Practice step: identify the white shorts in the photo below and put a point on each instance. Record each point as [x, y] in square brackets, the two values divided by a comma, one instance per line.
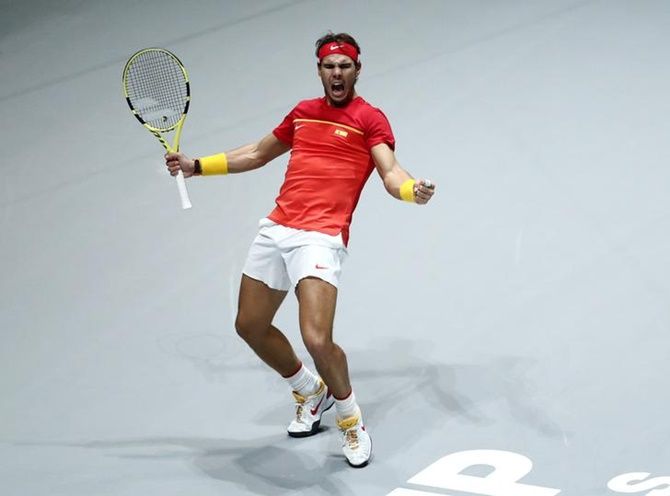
[281, 256]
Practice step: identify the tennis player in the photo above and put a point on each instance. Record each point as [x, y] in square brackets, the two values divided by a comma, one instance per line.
[336, 142]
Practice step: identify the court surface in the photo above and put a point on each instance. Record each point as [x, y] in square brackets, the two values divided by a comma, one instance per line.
[522, 317]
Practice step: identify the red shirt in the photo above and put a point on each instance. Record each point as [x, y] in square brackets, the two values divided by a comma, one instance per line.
[329, 164]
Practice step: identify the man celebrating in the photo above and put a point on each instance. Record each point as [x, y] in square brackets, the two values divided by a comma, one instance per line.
[336, 142]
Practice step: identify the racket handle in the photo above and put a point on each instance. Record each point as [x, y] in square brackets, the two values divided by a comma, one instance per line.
[183, 192]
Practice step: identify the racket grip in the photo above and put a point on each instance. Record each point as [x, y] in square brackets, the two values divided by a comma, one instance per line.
[183, 192]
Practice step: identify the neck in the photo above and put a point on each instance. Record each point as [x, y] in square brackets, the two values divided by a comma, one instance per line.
[342, 103]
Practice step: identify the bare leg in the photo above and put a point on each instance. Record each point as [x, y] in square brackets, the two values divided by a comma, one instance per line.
[257, 306]
[317, 300]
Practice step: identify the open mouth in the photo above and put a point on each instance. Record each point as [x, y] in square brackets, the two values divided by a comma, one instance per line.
[337, 89]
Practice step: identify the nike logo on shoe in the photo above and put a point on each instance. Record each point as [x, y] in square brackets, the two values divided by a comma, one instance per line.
[314, 410]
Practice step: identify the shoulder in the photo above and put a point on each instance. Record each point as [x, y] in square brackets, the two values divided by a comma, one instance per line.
[375, 124]
[302, 109]
[366, 106]
[369, 113]
[309, 105]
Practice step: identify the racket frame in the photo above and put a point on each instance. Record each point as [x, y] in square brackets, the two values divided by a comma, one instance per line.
[176, 127]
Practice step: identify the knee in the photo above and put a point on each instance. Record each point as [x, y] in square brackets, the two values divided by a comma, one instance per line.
[318, 346]
[246, 327]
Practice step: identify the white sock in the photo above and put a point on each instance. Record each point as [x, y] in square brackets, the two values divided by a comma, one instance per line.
[303, 382]
[347, 407]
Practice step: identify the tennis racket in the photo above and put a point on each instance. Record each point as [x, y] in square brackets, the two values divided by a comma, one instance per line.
[156, 87]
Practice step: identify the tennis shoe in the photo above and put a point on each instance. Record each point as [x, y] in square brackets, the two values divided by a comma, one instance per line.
[356, 442]
[308, 411]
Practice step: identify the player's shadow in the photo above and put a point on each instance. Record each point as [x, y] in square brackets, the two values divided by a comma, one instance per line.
[266, 465]
[396, 383]
[403, 381]
[478, 393]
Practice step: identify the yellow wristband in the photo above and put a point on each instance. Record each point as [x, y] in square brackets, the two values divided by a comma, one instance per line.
[214, 164]
[407, 190]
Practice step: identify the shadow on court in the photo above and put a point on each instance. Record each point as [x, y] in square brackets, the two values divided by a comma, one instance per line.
[400, 396]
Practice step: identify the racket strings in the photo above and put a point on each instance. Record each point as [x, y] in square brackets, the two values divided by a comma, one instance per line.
[157, 88]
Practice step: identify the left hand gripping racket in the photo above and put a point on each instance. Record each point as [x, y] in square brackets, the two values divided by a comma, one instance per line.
[156, 87]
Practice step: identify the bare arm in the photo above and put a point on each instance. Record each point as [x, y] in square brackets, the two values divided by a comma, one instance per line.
[255, 155]
[242, 159]
[394, 175]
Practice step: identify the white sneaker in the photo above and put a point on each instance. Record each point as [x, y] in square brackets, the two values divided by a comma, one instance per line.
[308, 411]
[356, 442]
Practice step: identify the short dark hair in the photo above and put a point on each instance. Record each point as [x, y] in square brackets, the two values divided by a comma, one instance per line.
[339, 38]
